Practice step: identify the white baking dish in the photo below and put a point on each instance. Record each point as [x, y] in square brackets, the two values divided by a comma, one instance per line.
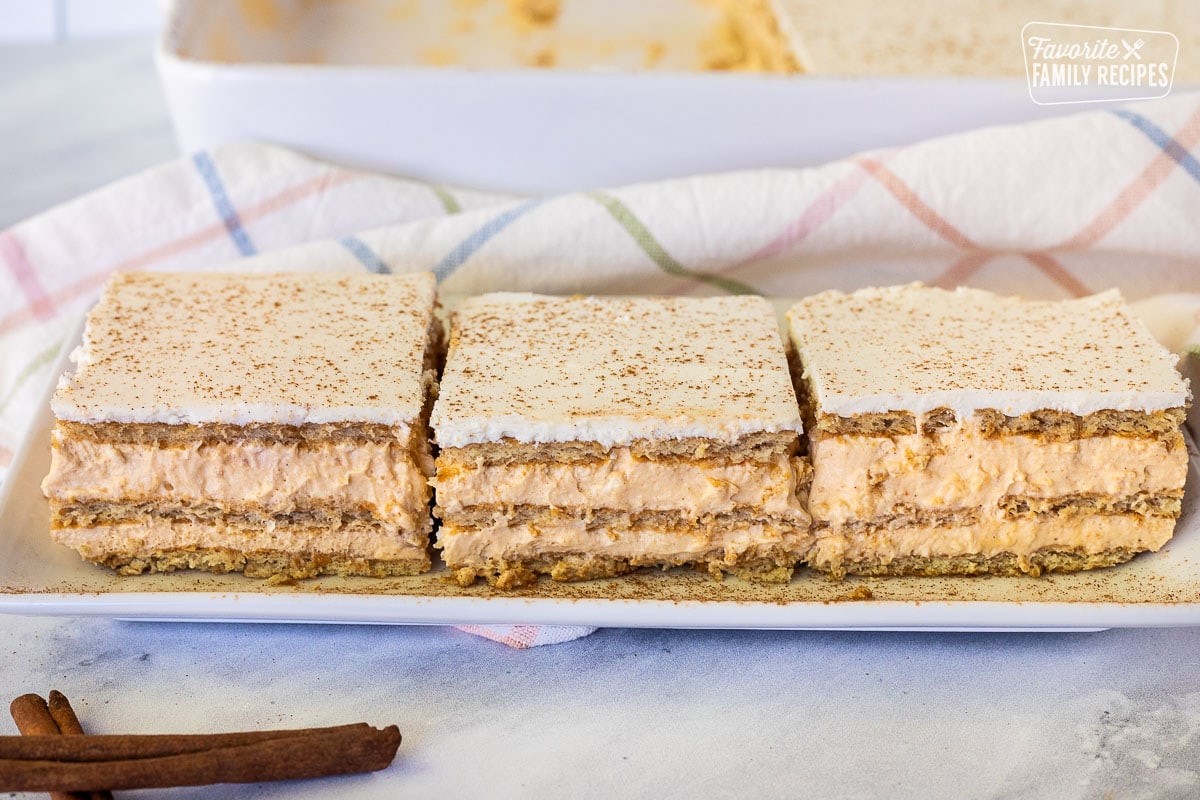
[540, 131]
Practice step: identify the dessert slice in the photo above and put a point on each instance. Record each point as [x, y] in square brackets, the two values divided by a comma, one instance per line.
[584, 437]
[958, 432]
[270, 424]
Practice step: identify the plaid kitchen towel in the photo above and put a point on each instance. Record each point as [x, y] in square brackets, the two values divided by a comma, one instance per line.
[1062, 207]
[526, 636]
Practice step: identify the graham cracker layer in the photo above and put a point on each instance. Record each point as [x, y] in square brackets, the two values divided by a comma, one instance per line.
[1046, 424]
[761, 446]
[1061, 426]
[1167, 504]
[167, 435]
[1164, 504]
[1003, 564]
[772, 567]
[161, 543]
[320, 519]
[906, 517]
[571, 549]
[257, 563]
[1009, 546]
[615, 519]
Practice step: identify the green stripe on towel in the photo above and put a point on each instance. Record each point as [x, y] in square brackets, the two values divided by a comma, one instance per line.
[449, 202]
[657, 253]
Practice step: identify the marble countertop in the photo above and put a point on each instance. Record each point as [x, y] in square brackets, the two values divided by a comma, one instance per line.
[621, 713]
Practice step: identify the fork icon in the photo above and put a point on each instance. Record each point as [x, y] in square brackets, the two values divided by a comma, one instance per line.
[1132, 50]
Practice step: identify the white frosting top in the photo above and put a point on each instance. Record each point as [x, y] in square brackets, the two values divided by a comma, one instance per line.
[237, 349]
[554, 369]
[916, 348]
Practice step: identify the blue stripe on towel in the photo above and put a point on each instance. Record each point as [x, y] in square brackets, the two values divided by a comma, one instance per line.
[369, 259]
[467, 247]
[1161, 138]
[226, 211]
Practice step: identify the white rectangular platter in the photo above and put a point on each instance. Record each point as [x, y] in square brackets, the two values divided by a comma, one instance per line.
[42, 578]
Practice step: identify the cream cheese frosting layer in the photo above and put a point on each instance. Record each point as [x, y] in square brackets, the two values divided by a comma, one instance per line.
[1088, 534]
[627, 483]
[272, 476]
[554, 369]
[477, 547]
[872, 477]
[288, 348]
[915, 348]
[155, 535]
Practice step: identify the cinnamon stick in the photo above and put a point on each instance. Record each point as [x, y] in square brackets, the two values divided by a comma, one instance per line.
[68, 725]
[63, 715]
[58, 763]
[33, 718]
[109, 747]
